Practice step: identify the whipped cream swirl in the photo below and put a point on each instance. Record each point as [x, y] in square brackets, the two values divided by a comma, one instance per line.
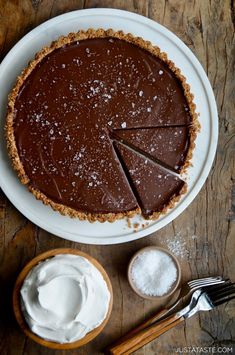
[64, 297]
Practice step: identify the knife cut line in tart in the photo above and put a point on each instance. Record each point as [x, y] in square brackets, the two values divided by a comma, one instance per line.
[168, 146]
[156, 189]
[66, 100]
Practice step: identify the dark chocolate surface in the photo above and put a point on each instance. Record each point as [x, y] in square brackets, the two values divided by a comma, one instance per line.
[153, 185]
[167, 145]
[66, 107]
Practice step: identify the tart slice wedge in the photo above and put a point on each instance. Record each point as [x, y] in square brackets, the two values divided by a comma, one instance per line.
[169, 146]
[156, 189]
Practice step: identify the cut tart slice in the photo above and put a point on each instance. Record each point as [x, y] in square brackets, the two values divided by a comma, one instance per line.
[169, 146]
[156, 189]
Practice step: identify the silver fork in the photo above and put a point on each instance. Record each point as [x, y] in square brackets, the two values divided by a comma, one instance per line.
[213, 297]
[201, 300]
[186, 291]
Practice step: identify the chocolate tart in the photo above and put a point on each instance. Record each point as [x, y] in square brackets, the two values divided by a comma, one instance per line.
[66, 107]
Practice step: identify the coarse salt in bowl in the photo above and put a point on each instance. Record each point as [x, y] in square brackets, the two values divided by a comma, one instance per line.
[154, 272]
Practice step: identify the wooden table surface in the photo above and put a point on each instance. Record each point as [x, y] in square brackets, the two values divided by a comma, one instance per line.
[202, 237]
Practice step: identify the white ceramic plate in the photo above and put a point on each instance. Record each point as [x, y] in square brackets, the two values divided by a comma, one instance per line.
[117, 232]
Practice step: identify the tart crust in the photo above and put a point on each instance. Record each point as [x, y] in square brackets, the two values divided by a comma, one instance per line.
[9, 126]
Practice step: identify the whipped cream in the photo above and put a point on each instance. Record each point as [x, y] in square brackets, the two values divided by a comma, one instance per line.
[64, 297]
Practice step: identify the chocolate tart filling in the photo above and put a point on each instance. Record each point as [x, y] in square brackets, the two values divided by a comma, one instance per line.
[67, 101]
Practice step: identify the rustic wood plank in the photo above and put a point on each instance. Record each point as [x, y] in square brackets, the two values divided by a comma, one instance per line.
[204, 232]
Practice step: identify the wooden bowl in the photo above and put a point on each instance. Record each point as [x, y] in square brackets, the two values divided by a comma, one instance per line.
[20, 316]
[160, 299]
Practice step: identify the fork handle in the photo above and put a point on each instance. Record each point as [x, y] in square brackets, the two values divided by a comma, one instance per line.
[144, 336]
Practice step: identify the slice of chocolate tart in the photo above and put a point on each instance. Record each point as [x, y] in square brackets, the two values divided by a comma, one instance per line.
[169, 146]
[156, 189]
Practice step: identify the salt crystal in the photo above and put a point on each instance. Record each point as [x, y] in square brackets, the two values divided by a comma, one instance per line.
[123, 125]
[154, 273]
[160, 72]
[177, 245]
[141, 93]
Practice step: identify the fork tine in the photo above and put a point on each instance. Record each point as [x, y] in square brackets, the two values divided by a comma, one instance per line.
[227, 290]
[221, 293]
[218, 287]
[207, 282]
[224, 300]
[205, 279]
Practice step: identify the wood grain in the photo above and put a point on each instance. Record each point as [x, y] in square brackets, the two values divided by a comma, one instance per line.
[205, 231]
